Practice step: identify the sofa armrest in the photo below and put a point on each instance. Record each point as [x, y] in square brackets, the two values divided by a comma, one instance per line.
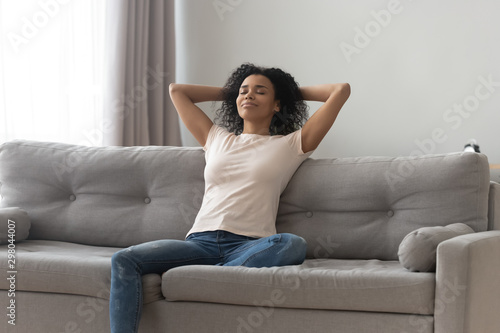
[494, 207]
[467, 287]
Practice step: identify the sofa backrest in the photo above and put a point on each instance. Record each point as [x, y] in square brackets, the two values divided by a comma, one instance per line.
[109, 196]
[363, 207]
[344, 207]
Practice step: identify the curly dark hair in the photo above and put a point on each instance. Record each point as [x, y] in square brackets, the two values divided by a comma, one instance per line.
[293, 110]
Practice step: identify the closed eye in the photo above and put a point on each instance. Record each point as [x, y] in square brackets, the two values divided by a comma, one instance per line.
[258, 92]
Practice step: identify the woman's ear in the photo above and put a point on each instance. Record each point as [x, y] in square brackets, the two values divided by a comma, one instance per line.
[277, 107]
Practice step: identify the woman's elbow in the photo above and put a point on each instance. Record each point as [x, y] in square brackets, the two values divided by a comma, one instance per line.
[341, 90]
[173, 87]
[345, 89]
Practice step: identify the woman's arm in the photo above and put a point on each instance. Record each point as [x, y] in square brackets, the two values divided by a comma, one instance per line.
[184, 97]
[316, 127]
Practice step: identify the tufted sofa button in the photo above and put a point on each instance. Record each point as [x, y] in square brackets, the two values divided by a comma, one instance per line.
[309, 214]
[147, 200]
[390, 213]
[72, 197]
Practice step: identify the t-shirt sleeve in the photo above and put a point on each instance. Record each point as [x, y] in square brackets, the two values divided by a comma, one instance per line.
[214, 132]
[295, 141]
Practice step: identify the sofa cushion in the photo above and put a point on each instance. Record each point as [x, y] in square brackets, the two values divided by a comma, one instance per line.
[355, 285]
[51, 266]
[363, 207]
[67, 268]
[103, 196]
[15, 225]
[417, 251]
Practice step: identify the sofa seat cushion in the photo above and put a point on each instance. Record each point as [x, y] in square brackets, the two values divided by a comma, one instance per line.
[54, 266]
[333, 284]
[68, 268]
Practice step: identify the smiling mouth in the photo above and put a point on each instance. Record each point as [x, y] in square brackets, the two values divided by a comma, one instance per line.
[248, 104]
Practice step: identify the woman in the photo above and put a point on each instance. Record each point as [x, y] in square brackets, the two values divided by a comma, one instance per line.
[250, 158]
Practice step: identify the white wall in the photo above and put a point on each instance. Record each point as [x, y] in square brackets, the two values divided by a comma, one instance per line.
[405, 78]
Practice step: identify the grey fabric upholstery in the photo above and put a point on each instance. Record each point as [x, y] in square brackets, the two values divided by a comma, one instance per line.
[368, 285]
[417, 251]
[57, 313]
[104, 196]
[362, 208]
[15, 225]
[467, 274]
[62, 313]
[85, 203]
[178, 317]
[494, 207]
[52, 266]
[68, 268]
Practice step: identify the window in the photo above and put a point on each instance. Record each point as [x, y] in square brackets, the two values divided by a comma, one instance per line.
[51, 64]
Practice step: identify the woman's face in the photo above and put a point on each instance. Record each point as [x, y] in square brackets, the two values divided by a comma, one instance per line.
[256, 101]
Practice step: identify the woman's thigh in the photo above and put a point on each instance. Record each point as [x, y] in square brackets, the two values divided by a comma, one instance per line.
[276, 250]
[161, 255]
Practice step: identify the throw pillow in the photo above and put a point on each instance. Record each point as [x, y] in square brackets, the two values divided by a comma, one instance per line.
[417, 251]
[15, 224]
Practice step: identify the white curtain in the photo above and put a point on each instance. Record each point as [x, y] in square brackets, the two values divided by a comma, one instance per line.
[51, 63]
[90, 72]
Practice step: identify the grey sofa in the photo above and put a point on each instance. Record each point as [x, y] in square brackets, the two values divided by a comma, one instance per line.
[85, 203]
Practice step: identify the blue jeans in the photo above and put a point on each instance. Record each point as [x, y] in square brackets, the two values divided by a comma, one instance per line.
[219, 247]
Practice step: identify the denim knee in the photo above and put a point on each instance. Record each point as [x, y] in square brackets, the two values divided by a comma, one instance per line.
[295, 247]
[120, 259]
[117, 257]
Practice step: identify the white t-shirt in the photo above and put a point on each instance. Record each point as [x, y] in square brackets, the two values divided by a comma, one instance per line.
[244, 178]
